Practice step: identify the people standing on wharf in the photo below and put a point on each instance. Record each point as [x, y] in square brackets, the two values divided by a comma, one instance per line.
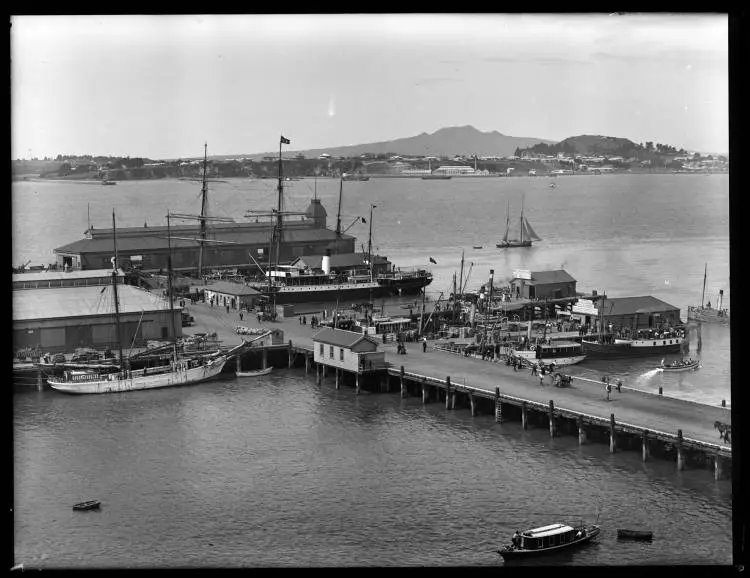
[424, 345]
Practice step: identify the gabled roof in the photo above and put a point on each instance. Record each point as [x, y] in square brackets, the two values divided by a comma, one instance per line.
[632, 305]
[341, 338]
[549, 277]
[64, 275]
[339, 261]
[250, 237]
[230, 288]
[39, 304]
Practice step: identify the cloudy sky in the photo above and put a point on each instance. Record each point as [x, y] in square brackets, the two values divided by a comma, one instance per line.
[159, 86]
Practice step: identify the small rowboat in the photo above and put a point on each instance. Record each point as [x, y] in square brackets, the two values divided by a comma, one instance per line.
[89, 505]
[683, 365]
[623, 534]
[477, 246]
[256, 373]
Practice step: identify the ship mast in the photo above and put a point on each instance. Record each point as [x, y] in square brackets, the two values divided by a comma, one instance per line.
[522, 219]
[369, 242]
[461, 276]
[204, 202]
[169, 291]
[338, 214]
[114, 288]
[705, 272]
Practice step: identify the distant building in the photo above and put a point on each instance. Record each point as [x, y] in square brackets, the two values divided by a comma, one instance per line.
[543, 284]
[453, 170]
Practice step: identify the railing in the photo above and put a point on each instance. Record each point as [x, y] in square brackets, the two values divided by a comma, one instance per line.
[561, 411]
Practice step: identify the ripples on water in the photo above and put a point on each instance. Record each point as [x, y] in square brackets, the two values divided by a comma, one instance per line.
[279, 472]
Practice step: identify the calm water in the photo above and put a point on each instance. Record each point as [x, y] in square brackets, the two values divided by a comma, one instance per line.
[278, 472]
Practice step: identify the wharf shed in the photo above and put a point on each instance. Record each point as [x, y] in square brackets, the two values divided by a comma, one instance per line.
[65, 318]
[237, 245]
[556, 284]
[56, 279]
[347, 350]
[635, 313]
[236, 295]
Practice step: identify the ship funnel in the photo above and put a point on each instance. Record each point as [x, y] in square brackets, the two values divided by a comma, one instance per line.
[327, 262]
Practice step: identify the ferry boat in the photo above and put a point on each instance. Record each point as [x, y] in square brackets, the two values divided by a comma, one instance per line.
[560, 353]
[548, 539]
[645, 342]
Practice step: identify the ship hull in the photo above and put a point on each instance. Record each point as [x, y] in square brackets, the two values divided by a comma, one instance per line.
[346, 292]
[182, 375]
[530, 356]
[511, 244]
[706, 315]
[635, 348]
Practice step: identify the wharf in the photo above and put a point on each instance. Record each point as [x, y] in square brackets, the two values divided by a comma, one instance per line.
[665, 426]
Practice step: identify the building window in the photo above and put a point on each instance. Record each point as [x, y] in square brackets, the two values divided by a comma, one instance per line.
[330, 351]
[321, 350]
[341, 354]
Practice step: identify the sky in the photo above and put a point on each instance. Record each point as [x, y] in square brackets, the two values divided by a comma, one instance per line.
[160, 86]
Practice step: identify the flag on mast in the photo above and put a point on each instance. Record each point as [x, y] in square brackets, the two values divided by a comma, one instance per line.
[285, 140]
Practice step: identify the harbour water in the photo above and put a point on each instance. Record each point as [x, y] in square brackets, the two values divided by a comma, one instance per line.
[277, 471]
[626, 235]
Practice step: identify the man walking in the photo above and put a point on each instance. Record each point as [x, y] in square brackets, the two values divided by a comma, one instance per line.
[424, 345]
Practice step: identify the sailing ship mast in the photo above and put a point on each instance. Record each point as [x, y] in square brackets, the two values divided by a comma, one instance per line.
[705, 272]
[114, 288]
[369, 242]
[338, 214]
[507, 221]
[169, 291]
[522, 199]
[204, 207]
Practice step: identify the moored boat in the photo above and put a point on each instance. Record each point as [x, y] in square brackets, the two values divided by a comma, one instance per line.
[659, 343]
[87, 505]
[548, 539]
[256, 373]
[559, 353]
[436, 177]
[706, 313]
[623, 534]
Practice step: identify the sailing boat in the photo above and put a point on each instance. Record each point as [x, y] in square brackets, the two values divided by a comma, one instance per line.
[183, 371]
[527, 234]
[707, 313]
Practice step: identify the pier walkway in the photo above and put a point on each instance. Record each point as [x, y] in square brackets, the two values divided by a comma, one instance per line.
[644, 410]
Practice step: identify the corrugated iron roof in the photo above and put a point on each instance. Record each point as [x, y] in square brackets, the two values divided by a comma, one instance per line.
[231, 288]
[153, 243]
[62, 275]
[548, 277]
[341, 337]
[66, 302]
[631, 305]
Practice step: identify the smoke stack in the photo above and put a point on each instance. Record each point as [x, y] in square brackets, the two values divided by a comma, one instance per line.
[327, 262]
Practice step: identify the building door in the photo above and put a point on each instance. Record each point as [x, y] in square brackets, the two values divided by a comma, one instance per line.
[532, 292]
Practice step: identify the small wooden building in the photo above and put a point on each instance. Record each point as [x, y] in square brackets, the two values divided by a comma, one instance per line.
[347, 350]
[543, 285]
[236, 295]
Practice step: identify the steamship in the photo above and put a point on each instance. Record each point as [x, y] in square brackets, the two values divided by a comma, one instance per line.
[341, 277]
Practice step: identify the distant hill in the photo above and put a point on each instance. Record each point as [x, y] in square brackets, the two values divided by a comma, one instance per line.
[590, 144]
[450, 141]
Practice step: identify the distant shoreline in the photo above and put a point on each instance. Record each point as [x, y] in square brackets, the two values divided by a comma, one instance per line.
[37, 179]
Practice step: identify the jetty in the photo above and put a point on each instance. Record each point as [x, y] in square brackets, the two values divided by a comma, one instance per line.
[658, 426]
